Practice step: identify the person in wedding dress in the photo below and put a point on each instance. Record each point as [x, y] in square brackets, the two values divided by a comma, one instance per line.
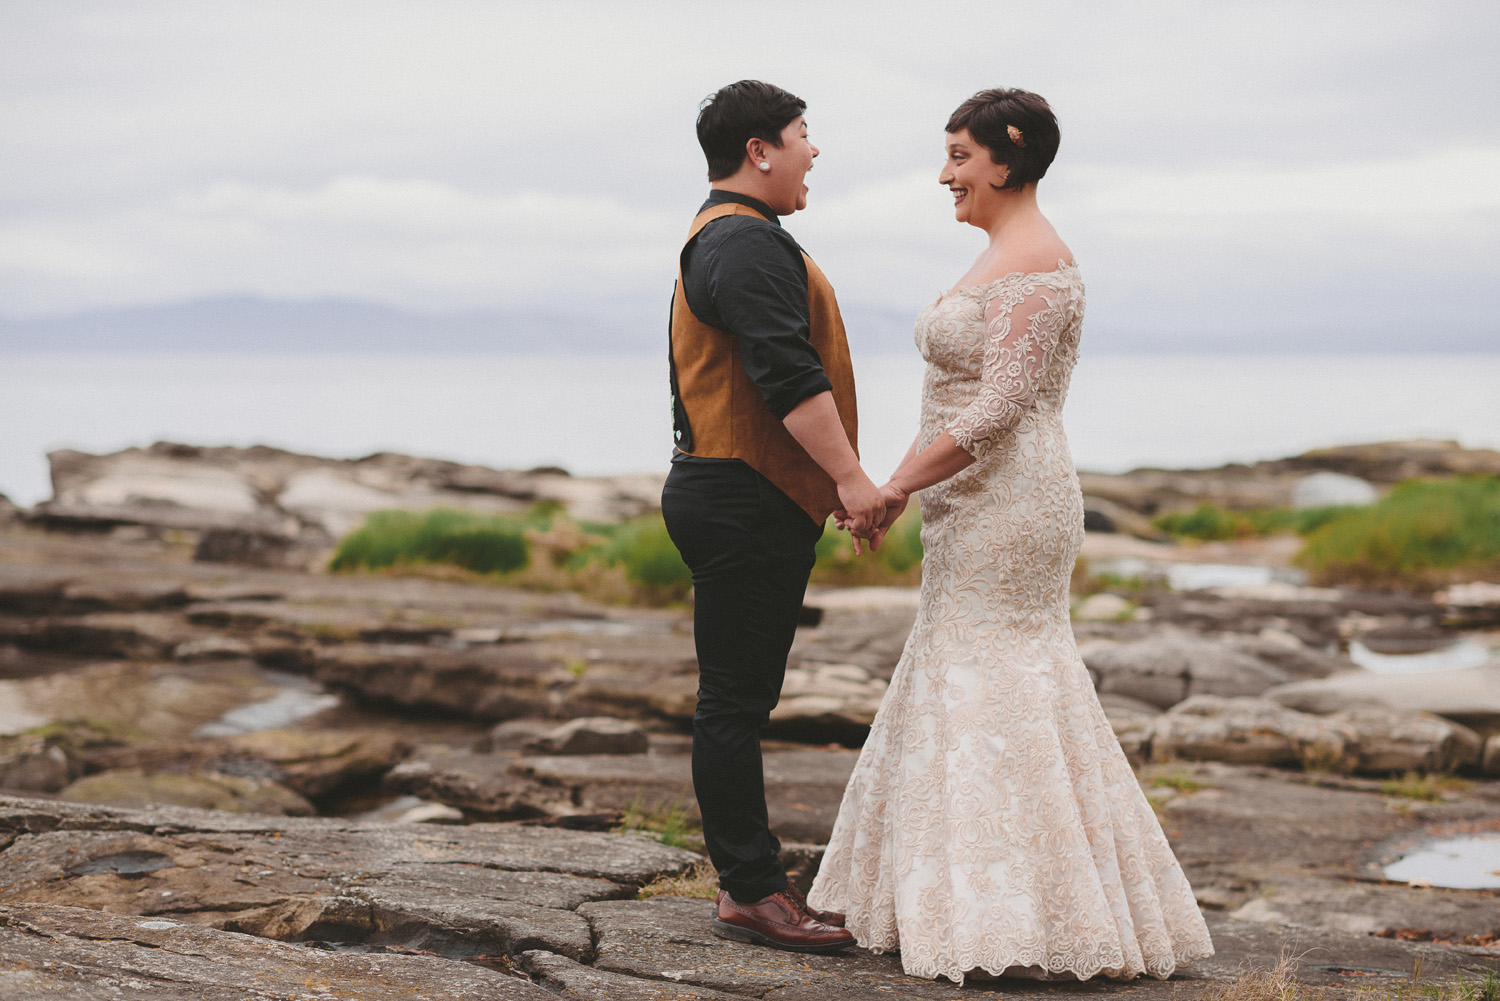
[992, 825]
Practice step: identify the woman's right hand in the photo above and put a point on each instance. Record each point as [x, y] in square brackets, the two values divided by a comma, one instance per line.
[896, 500]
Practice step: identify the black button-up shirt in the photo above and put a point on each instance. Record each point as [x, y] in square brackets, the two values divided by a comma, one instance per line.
[745, 275]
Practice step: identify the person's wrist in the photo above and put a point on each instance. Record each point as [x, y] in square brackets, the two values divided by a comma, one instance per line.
[854, 479]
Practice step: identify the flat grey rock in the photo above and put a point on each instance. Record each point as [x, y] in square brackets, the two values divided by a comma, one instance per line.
[49, 952]
[1469, 695]
[487, 889]
[570, 979]
[1165, 669]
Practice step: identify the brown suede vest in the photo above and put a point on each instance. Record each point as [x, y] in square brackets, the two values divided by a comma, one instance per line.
[725, 411]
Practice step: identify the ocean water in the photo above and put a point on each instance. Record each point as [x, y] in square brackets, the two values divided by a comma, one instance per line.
[606, 414]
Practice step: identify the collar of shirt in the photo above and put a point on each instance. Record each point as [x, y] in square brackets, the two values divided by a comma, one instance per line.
[718, 196]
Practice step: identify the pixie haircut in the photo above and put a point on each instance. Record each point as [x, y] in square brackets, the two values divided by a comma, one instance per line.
[742, 111]
[1026, 153]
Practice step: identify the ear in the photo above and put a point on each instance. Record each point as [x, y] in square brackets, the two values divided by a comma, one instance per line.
[755, 150]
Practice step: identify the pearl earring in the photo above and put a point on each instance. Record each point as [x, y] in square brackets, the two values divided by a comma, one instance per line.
[765, 166]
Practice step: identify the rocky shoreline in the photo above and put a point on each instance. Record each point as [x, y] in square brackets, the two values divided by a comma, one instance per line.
[408, 786]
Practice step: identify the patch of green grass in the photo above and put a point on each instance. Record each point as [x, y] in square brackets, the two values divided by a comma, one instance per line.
[1420, 535]
[898, 561]
[669, 822]
[1421, 785]
[1179, 780]
[633, 560]
[482, 543]
[648, 556]
[699, 881]
[1210, 522]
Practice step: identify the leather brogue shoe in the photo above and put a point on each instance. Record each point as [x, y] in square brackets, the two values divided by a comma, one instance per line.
[780, 921]
[827, 917]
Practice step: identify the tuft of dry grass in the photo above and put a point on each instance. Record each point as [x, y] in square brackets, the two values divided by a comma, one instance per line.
[1423, 785]
[699, 881]
[1280, 983]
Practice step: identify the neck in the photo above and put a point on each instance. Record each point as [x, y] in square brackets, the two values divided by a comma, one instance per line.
[748, 182]
[1007, 210]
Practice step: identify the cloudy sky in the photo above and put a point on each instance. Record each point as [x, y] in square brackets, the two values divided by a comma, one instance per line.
[1232, 176]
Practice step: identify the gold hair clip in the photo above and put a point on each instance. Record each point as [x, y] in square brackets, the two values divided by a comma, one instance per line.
[1015, 136]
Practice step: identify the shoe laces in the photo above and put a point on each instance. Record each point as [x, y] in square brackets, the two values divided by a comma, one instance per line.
[797, 897]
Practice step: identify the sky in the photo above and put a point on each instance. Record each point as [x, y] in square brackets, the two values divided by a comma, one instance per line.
[1235, 176]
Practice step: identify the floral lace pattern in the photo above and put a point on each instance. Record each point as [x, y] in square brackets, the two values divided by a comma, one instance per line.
[992, 821]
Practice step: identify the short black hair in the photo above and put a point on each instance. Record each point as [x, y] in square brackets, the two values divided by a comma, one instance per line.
[990, 115]
[731, 117]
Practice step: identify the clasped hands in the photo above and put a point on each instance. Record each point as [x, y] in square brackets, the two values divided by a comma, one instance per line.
[869, 511]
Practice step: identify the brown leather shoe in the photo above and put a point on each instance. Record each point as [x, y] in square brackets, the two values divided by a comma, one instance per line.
[827, 917]
[779, 921]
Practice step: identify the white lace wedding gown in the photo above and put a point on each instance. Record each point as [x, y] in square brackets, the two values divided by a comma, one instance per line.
[992, 820]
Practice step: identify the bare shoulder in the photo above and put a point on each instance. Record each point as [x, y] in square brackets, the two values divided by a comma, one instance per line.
[1035, 256]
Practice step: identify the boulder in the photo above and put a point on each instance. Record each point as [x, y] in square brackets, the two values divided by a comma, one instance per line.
[31, 763]
[515, 734]
[592, 735]
[1249, 731]
[493, 682]
[1101, 515]
[1475, 604]
[1131, 719]
[1103, 607]
[1168, 667]
[831, 699]
[47, 758]
[481, 785]
[1330, 489]
[1282, 649]
[1394, 742]
[316, 763]
[207, 791]
[1468, 695]
[1489, 764]
[253, 547]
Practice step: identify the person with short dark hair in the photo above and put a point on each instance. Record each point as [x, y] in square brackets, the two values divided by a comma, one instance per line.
[992, 825]
[765, 430]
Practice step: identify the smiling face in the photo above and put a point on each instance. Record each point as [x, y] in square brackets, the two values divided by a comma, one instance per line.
[786, 191]
[972, 176]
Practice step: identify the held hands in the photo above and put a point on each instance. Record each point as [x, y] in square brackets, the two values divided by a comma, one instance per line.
[893, 501]
[864, 508]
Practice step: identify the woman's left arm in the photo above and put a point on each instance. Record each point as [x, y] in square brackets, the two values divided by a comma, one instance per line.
[1022, 330]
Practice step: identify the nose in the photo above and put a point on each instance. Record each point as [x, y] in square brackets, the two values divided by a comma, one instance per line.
[814, 150]
[945, 176]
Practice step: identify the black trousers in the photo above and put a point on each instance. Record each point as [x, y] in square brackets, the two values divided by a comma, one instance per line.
[750, 548]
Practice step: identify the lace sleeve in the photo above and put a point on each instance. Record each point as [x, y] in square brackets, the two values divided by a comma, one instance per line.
[1022, 330]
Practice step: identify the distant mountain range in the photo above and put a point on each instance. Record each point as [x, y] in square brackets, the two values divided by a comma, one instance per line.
[246, 324]
[251, 324]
